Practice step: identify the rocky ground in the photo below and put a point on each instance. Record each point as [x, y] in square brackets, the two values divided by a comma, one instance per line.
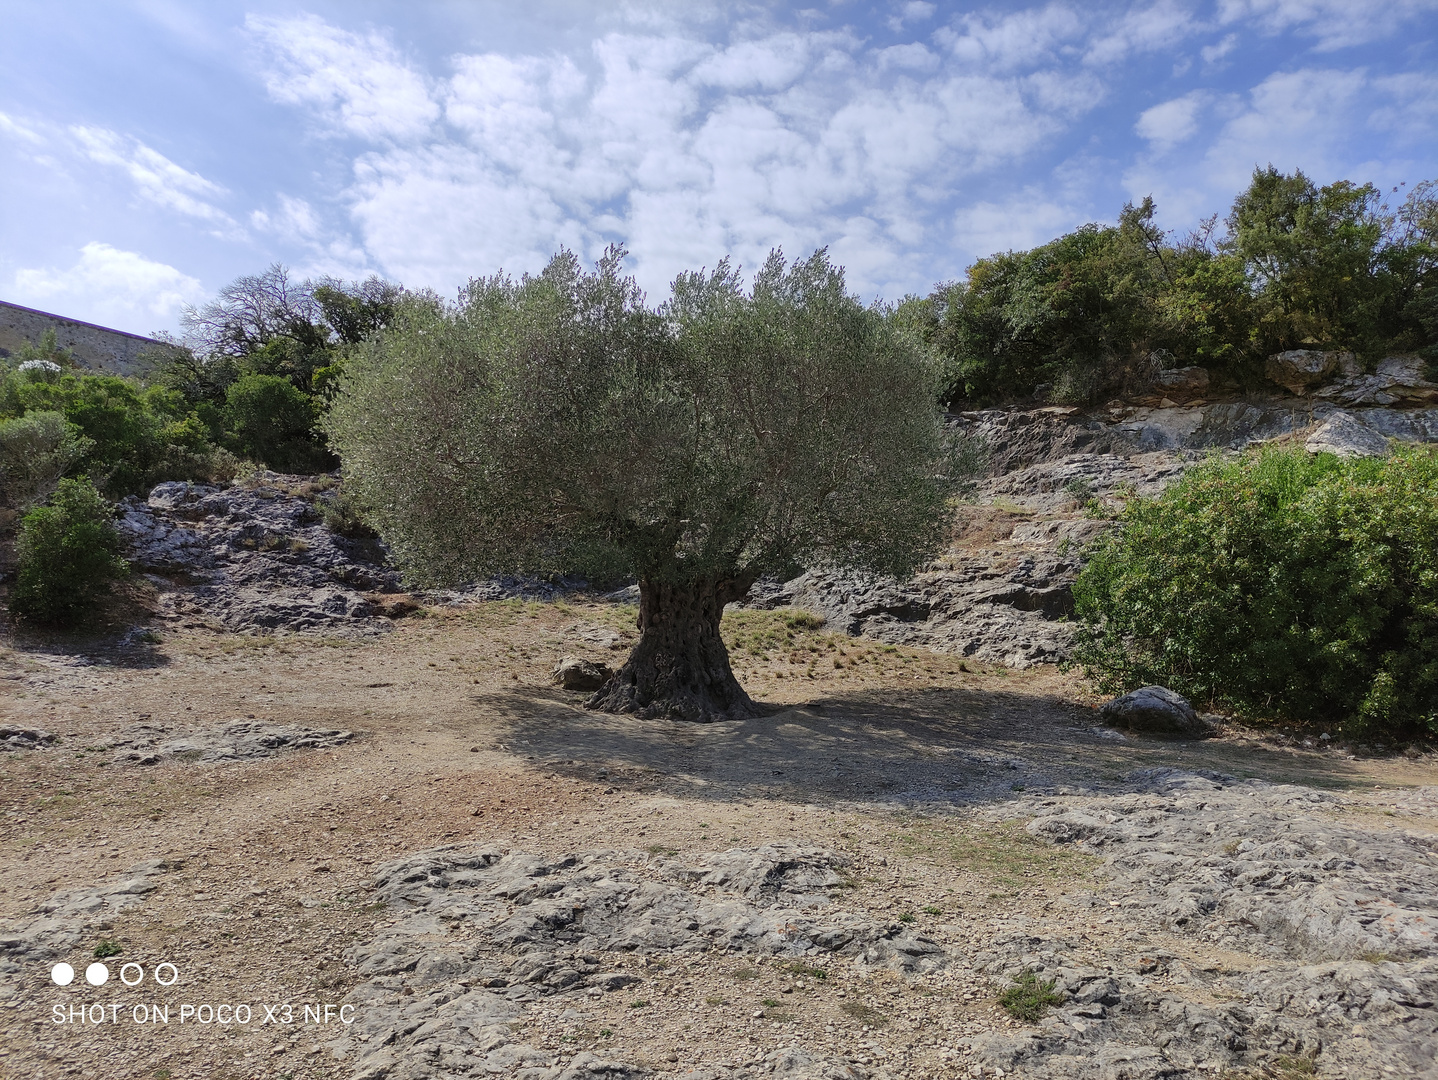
[1002, 593]
[418, 832]
[369, 818]
[256, 556]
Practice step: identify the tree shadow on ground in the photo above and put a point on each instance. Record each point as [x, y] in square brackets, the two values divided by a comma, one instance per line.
[922, 747]
[128, 649]
[116, 633]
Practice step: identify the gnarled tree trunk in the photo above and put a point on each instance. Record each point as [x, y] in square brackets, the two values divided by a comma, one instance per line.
[680, 668]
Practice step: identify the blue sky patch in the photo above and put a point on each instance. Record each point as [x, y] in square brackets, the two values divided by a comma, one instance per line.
[155, 150]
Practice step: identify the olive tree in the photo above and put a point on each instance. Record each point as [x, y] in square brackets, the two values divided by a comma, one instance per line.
[557, 423]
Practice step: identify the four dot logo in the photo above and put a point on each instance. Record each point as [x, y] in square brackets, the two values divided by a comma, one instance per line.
[131, 974]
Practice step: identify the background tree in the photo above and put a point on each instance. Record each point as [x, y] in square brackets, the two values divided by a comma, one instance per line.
[1409, 262]
[1097, 310]
[273, 422]
[1313, 255]
[131, 436]
[266, 327]
[253, 312]
[1070, 319]
[555, 423]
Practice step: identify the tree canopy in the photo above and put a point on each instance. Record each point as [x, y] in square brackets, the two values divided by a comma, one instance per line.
[1098, 310]
[265, 327]
[557, 423]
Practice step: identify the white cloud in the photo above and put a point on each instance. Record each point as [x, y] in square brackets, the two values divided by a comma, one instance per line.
[768, 64]
[1029, 218]
[156, 177]
[687, 148]
[358, 82]
[111, 287]
[1147, 29]
[1304, 119]
[292, 218]
[1212, 54]
[1300, 119]
[913, 57]
[687, 151]
[11, 126]
[1411, 111]
[440, 214]
[1335, 23]
[913, 12]
[1172, 122]
[1022, 39]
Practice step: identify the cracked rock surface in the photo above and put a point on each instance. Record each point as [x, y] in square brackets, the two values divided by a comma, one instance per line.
[240, 740]
[483, 934]
[71, 915]
[255, 558]
[1332, 927]
[588, 895]
[1326, 964]
[24, 738]
[1316, 959]
[1004, 597]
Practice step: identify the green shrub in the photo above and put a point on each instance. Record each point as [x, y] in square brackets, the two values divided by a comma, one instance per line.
[343, 515]
[68, 554]
[35, 451]
[1281, 585]
[131, 437]
[1097, 310]
[273, 422]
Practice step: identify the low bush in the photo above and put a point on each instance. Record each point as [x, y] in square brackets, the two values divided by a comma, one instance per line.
[68, 555]
[36, 450]
[131, 437]
[343, 515]
[273, 422]
[1281, 585]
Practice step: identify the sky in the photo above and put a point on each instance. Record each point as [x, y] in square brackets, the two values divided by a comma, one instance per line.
[152, 151]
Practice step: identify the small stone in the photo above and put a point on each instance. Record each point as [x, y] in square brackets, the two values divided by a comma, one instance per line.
[1155, 709]
[576, 673]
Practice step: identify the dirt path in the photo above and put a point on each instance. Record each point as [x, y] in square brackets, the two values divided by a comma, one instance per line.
[256, 876]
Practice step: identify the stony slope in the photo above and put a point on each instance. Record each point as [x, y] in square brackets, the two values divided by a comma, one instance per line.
[255, 556]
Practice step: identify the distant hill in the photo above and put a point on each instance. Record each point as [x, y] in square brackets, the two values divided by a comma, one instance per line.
[98, 348]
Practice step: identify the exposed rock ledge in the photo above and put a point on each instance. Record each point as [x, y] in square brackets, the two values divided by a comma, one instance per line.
[478, 940]
[256, 557]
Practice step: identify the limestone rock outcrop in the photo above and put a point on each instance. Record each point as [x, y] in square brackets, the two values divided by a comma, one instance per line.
[1299, 370]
